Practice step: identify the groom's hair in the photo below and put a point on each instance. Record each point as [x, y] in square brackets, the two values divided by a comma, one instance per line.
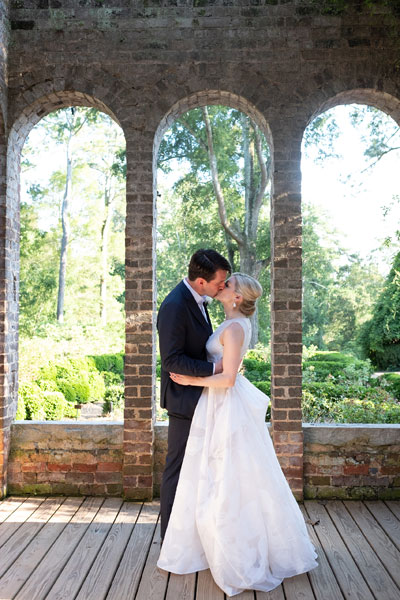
[205, 263]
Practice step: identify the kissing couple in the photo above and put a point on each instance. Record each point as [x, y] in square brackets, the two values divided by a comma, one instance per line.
[225, 502]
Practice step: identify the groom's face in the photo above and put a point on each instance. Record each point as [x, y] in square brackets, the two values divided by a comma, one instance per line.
[211, 288]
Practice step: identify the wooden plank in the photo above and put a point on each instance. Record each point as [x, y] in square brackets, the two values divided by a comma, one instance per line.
[369, 564]
[21, 569]
[207, 588]
[127, 577]
[101, 574]
[74, 573]
[322, 578]
[276, 594]
[9, 505]
[386, 519]
[181, 586]
[246, 595]
[394, 506]
[14, 521]
[25, 534]
[346, 571]
[154, 580]
[387, 552]
[298, 588]
[46, 573]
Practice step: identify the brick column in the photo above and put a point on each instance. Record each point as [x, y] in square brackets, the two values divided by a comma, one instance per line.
[286, 302]
[140, 311]
[9, 283]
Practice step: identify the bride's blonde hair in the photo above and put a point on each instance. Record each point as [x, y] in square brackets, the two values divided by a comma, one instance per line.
[250, 289]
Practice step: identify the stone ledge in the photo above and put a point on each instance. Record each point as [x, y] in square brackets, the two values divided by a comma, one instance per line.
[337, 434]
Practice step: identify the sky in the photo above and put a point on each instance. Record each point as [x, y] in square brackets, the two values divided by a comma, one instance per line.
[356, 211]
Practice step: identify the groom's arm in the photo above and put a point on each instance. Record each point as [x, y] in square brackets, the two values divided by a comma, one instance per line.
[172, 333]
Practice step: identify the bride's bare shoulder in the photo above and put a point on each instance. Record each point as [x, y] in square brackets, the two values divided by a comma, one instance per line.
[232, 333]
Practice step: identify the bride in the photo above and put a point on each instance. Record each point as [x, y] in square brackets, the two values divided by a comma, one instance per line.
[234, 512]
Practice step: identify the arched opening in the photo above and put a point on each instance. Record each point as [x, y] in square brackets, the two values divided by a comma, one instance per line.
[203, 206]
[351, 244]
[72, 246]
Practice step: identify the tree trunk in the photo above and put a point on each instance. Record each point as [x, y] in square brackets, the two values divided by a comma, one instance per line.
[65, 234]
[254, 194]
[105, 227]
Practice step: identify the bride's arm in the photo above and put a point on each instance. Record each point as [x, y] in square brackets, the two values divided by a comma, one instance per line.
[231, 340]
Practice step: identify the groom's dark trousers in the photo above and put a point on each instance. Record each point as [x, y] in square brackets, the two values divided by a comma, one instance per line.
[183, 332]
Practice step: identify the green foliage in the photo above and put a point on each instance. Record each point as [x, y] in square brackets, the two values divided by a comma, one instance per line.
[377, 406]
[77, 378]
[393, 380]
[337, 299]
[338, 388]
[33, 400]
[96, 183]
[188, 215]
[110, 363]
[21, 410]
[56, 406]
[56, 386]
[256, 369]
[36, 403]
[114, 394]
[380, 337]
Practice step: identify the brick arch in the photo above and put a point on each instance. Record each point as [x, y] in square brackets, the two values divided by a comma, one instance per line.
[384, 101]
[9, 246]
[211, 97]
[46, 104]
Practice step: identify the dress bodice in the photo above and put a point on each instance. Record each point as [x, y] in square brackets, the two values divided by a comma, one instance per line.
[214, 346]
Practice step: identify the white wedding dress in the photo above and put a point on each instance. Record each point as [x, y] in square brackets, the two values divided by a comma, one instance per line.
[234, 512]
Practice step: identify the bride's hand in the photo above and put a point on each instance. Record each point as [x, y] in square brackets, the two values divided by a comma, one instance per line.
[181, 379]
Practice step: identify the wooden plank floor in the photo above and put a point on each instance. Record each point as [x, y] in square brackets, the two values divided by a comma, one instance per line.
[59, 548]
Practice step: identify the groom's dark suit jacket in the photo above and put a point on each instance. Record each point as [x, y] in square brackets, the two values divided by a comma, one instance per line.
[183, 333]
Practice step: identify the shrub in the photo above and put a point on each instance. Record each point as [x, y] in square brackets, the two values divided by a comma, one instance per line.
[394, 383]
[21, 411]
[376, 406]
[112, 363]
[332, 357]
[256, 370]
[55, 406]
[33, 400]
[380, 336]
[77, 378]
[373, 410]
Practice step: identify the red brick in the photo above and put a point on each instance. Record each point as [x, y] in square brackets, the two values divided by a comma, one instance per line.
[58, 467]
[287, 425]
[109, 466]
[355, 469]
[84, 467]
[108, 477]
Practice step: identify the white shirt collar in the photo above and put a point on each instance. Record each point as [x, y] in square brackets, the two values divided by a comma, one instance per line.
[199, 299]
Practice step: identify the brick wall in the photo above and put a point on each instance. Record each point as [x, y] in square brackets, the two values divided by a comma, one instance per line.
[58, 458]
[144, 63]
[352, 461]
[7, 379]
[340, 461]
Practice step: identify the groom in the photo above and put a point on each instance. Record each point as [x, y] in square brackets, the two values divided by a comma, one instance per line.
[184, 327]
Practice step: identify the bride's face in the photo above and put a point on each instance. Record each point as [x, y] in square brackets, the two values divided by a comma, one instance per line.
[228, 295]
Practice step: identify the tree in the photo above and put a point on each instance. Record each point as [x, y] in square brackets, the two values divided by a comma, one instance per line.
[63, 126]
[95, 213]
[228, 158]
[380, 336]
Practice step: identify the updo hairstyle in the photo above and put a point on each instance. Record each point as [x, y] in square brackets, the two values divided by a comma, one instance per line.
[250, 290]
